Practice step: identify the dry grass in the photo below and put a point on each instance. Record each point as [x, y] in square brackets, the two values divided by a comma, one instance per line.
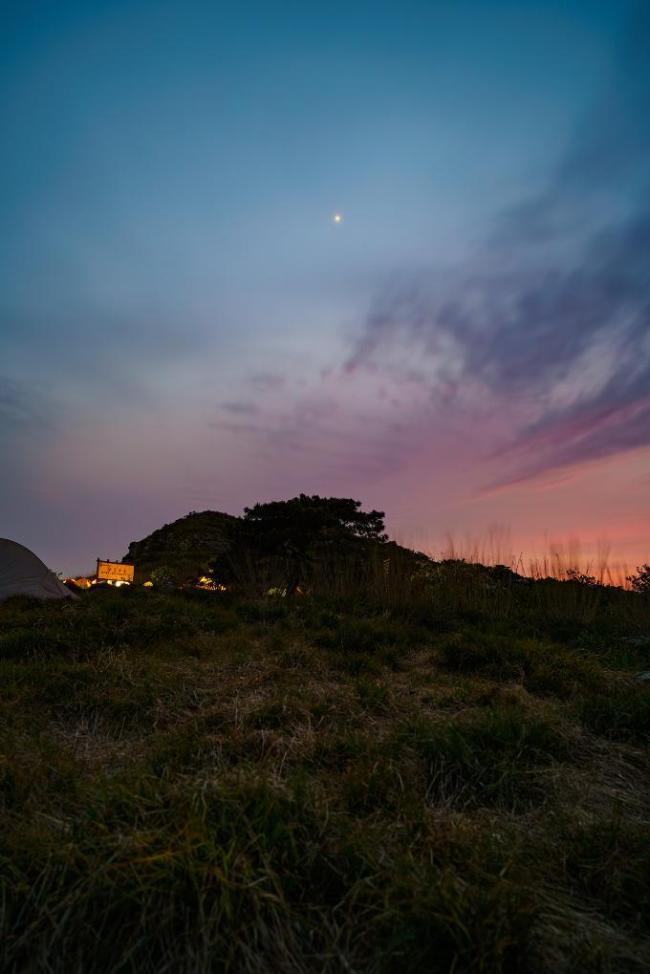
[199, 783]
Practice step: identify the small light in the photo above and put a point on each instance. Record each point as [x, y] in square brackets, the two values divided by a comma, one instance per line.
[338, 218]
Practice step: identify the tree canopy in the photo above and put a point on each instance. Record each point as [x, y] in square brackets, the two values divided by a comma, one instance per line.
[298, 531]
[311, 517]
[641, 581]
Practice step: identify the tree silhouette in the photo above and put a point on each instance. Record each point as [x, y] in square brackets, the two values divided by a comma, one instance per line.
[641, 581]
[297, 532]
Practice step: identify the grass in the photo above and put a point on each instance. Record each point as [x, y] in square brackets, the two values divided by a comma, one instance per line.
[546, 669]
[453, 781]
[492, 759]
[620, 714]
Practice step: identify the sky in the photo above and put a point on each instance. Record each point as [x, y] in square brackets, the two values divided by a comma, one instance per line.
[184, 325]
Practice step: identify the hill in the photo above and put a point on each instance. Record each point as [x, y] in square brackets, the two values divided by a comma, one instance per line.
[394, 776]
[305, 541]
[183, 550]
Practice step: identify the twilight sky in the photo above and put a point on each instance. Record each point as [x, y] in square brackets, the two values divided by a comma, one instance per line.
[184, 326]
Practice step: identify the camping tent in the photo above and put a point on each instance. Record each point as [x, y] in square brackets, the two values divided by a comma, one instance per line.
[22, 573]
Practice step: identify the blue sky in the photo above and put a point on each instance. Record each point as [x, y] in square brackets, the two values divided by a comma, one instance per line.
[183, 326]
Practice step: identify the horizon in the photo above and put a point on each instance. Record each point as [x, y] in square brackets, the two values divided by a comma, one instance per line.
[554, 559]
[400, 255]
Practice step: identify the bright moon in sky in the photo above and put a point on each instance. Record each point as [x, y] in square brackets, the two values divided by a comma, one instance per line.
[338, 218]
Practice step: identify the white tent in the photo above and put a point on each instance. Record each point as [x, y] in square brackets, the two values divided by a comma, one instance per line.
[22, 573]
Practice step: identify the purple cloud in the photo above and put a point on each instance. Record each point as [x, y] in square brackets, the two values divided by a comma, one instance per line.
[240, 408]
[550, 322]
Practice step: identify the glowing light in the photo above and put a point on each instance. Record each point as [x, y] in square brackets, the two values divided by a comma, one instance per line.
[338, 218]
[208, 583]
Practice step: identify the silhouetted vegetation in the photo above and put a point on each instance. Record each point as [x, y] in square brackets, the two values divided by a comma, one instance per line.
[181, 551]
[300, 543]
[641, 581]
[410, 766]
[287, 540]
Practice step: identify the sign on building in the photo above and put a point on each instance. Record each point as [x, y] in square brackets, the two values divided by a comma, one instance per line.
[114, 571]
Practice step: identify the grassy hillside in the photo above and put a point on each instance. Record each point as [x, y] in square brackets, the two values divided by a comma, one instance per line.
[450, 778]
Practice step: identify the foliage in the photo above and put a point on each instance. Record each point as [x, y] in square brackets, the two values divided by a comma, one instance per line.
[184, 549]
[575, 575]
[641, 581]
[304, 518]
[166, 577]
[293, 536]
